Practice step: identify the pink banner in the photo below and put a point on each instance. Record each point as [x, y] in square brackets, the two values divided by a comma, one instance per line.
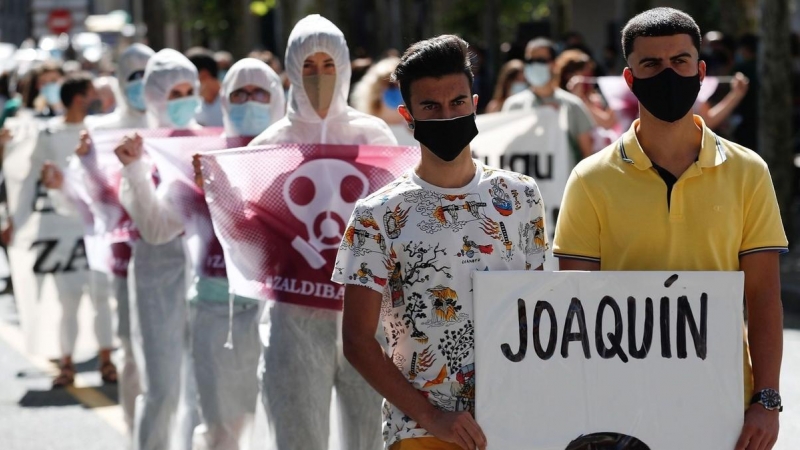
[173, 159]
[280, 213]
[96, 184]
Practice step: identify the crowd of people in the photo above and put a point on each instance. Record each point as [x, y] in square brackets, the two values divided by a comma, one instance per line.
[292, 356]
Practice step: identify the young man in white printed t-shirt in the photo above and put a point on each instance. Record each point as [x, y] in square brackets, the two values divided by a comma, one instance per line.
[409, 251]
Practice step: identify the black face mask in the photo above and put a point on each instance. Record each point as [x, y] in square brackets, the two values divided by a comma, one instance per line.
[667, 96]
[446, 138]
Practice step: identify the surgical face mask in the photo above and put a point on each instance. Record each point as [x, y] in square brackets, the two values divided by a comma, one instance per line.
[392, 97]
[52, 93]
[537, 74]
[446, 138]
[181, 111]
[319, 89]
[134, 91]
[250, 118]
[517, 87]
[667, 96]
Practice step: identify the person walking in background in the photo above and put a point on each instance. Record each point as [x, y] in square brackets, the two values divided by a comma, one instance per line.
[511, 81]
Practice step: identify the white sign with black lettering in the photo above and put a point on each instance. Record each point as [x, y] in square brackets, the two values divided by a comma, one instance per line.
[575, 360]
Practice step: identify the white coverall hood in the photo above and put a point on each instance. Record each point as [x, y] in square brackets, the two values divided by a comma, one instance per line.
[316, 34]
[343, 125]
[165, 70]
[251, 71]
[132, 60]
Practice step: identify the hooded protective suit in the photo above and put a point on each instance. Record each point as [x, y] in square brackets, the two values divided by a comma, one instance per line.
[343, 124]
[128, 115]
[157, 278]
[251, 71]
[164, 71]
[227, 378]
[302, 356]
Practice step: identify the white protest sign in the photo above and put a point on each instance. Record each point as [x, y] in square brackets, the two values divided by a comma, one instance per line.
[534, 143]
[568, 357]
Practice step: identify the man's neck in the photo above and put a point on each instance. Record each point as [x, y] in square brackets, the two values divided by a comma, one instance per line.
[448, 175]
[74, 116]
[544, 91]
[673, 146]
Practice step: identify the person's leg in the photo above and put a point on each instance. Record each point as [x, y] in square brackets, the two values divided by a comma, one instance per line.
[359, 407]
[226, 377]
[158, 309]
[99, 293]
[69, 295]
[297, 375]
[129, 387]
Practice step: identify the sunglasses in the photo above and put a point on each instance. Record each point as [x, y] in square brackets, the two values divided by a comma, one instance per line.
[538, 60]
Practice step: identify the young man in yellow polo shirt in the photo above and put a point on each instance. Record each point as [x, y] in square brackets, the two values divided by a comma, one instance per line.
[671, 195]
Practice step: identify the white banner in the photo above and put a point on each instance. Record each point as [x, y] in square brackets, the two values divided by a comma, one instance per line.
[535, 144]
[567, 359]
[47, 254]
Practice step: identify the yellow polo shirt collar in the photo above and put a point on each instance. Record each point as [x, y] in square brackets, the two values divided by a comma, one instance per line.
[712, 153]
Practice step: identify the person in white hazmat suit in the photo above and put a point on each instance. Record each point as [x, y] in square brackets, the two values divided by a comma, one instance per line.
[157, 274]
[252, 99]
[129, 114]
[302, 356]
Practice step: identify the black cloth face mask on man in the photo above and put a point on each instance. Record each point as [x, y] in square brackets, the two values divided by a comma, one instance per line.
[667, 96]
[446, 138]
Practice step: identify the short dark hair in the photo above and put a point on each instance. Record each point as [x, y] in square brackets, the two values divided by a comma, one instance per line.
[76, 83]
[542, 43]
[658, 22]
[203, 60]
[607, 441]
[434, 57]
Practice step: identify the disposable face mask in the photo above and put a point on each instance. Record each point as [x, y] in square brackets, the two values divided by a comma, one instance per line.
[135, 94]
[446, 138]
[667, 96]
[392, 97]
[52, 93]
[517, 87]
[250, 118]
[537, 74]
[181, 111]
[319, 89]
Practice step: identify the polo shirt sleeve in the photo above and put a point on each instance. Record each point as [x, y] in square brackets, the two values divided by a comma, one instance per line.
[763, 228]
[578, 225]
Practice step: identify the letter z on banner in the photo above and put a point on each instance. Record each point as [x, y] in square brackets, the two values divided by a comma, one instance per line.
[280, 212]
[624, 360]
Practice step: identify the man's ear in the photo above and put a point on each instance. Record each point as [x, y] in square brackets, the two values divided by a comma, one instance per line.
[406, 115]
[701, 70]
[475, 101]
[628, 76]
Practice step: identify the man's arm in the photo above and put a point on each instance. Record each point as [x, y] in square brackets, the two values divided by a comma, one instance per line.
[362, 307]
[762, 289]
[578, 264]
[585, 143]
